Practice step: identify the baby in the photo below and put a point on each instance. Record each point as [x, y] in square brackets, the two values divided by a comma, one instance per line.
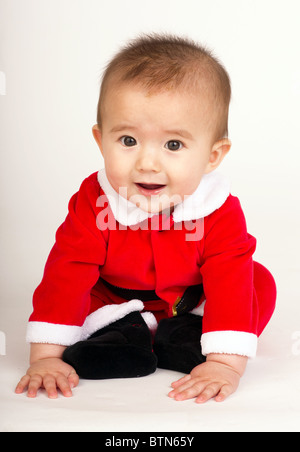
[153, 265]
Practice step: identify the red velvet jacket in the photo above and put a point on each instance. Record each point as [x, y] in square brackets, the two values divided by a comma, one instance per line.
[204, 241]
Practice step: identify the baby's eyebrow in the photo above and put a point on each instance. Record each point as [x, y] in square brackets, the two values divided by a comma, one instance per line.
[180, 132]
[121, 127]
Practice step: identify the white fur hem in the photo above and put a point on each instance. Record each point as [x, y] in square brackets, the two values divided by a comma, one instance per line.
[229, 342]
[51, 333]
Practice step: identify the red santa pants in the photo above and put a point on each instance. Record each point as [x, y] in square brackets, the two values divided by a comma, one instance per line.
[265, 291]
[264, 297]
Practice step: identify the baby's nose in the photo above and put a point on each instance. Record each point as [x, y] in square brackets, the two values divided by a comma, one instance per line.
[148, 160]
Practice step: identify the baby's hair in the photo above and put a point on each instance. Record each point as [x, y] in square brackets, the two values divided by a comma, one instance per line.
[165, 62]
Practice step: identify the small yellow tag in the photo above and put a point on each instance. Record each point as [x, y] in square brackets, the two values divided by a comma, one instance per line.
[174, 308]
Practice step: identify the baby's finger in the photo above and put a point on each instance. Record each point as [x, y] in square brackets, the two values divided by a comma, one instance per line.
[64, 385]
[73, 379]
[182, 380]
[188, 390]
[34, 385]
[23, 383]
[208, 392]
[225, 391]
[50, 386]
[183, 386]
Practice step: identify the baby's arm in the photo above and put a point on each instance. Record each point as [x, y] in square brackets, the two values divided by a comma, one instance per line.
[48, 370]
[218, 377]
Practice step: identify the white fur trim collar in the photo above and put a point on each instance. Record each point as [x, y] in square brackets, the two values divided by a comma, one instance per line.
[210, 195]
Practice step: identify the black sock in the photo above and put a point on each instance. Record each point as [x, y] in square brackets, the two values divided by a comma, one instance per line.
[122, 349]
[177, 343]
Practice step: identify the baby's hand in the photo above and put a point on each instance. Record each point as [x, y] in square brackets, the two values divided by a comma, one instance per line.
[208, 380]
[49, 373]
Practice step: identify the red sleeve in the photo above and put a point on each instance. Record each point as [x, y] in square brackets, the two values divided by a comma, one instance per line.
[230, 313]
[62, 300]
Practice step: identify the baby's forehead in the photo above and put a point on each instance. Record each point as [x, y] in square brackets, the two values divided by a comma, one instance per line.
[201, 89]
[196, 104]
[165, 109]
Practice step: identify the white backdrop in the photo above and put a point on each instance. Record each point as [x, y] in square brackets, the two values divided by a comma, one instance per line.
[52, 53]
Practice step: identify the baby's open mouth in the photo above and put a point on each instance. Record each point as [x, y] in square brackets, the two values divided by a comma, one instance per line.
[149, 189]
[151, 186]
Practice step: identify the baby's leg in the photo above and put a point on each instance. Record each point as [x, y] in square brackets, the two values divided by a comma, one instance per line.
[265, 290]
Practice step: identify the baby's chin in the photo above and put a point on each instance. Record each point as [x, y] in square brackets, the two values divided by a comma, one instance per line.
[153, 208]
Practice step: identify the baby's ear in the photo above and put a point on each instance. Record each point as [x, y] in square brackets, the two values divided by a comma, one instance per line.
[97, 135]
[218, 152]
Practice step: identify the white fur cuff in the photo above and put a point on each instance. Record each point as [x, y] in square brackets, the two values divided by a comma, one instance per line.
[229, 342]
[52, 333]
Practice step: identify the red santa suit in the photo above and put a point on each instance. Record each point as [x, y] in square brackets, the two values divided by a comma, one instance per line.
[106, 237]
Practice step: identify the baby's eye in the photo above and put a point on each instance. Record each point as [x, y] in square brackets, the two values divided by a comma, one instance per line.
[174, 145]
[128, 141]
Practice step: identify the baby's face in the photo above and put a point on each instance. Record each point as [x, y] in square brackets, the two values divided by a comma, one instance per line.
[156, 147]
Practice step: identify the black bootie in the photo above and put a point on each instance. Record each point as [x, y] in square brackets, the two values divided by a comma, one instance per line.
[122, 349]
[177, 343]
